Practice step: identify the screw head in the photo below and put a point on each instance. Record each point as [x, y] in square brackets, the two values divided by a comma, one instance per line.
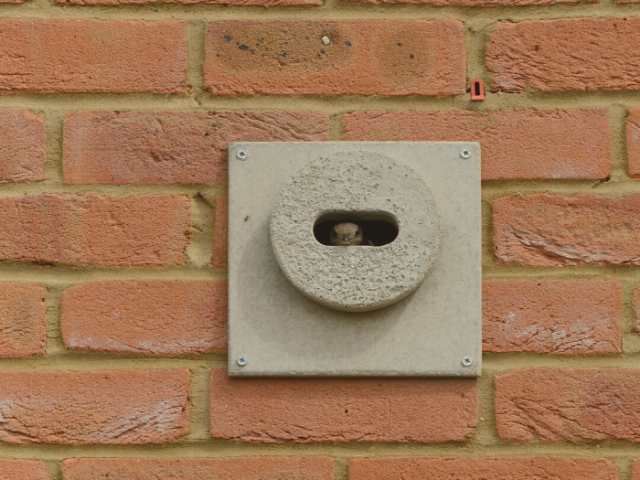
[465, 153]
[467, 362]
[326, 41]
[242, 361]
[242, 154]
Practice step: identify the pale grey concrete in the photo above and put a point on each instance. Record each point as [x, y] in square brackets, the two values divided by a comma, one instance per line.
[282, 332]
[355, 279]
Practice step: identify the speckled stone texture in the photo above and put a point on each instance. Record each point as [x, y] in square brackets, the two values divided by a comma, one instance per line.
[282, 332]
[361, 278]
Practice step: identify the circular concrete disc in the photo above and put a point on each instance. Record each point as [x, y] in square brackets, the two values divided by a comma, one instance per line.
[355, 278]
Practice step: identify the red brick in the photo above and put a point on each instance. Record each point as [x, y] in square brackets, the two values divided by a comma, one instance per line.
[365, 57]
[221, 232]
[633, 142]
[473, 3]
[50, 56]
[123, 407]
[553, 230]
[146, 317]
[22, 470]
[566, 54]
[516, 145]
[243, 3]
[94, 230]
[636, 469]
[342, 410]
[576, 405]
[513, 468]
[564, 317]
[22, 154]
[636, 304]
[172, 147]
[23, 332]
[290, 468]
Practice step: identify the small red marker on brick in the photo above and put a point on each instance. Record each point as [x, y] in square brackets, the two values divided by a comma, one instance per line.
[477, 89]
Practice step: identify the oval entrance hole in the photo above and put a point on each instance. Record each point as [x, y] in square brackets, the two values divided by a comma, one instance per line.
[378, 228]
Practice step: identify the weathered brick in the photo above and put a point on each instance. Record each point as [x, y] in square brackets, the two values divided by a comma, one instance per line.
[633, 142]
[22, 470]
[566, 54]
[636, 304]
[514, 468]
[365, 57]
[564, 317]
[172, 147]
[636, 469]
[473, 3]
[122, 407]
[38, 55]
[553, 230]
[22, 154]
[243, 3]
[23, 332]
[146, 317]
[221, 231]
[242, 468]
[95, 230]
[576, 405]
[518, 144]
[342, 410]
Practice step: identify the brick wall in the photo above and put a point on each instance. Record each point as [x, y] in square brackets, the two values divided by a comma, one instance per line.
[114, 121]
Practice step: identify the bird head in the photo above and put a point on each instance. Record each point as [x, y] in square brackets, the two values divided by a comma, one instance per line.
[346, 234]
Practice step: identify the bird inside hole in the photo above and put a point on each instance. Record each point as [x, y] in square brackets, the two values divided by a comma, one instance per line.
[347, 234]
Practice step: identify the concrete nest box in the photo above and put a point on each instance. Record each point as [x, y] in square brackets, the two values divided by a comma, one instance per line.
[361, 187]
[354, 259]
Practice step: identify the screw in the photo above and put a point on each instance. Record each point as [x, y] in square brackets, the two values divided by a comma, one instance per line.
[465, 153]
[326, 41]
[466, 362]
[242, 154]
[242, 361]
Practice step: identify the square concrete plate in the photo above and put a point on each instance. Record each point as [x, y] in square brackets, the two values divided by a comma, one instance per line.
[280, 332]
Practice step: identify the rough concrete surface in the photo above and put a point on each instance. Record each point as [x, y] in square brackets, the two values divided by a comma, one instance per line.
[282, 332]
[365, 183]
